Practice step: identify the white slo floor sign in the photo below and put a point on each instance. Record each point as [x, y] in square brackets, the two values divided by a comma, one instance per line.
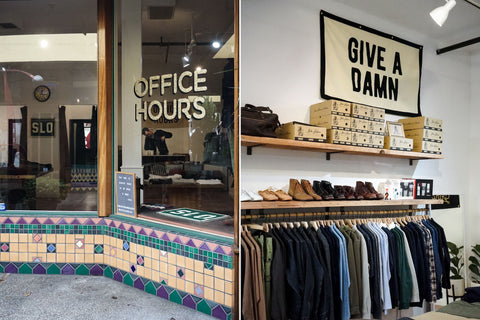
[194, 215]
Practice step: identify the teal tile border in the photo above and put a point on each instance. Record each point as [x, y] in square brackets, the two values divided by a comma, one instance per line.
[152, 287]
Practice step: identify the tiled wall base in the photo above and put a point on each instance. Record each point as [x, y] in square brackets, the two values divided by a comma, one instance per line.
[184, 266]
[159, 289]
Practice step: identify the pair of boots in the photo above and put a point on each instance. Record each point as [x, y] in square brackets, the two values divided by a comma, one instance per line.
[367, 191]
[302, 191]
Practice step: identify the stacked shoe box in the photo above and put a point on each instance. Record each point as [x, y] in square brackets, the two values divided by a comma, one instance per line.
[335, 116]
[427, 133]
[301, 132]
[367, 125]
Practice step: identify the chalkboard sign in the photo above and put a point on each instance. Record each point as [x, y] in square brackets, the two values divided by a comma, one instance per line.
[125, 193]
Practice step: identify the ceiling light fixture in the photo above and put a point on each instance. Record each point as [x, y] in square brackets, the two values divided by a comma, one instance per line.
[33, 77]
[440, 14]
[216, 44]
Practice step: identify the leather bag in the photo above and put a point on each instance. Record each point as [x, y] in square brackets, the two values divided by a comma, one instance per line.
[259, 121]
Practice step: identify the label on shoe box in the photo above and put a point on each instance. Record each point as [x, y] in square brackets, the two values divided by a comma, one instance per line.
[331, 121]
[425, 135]
[337, 136]
[378, 114]
[361, 111]
[421, 123]
[360, 125]
[332, 107]
[302, 132]
[427, 146]
[376, 141]
[360, 139]
[398, 143]
[376, 127]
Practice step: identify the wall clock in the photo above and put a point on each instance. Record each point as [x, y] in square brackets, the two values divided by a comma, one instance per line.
[41, 93]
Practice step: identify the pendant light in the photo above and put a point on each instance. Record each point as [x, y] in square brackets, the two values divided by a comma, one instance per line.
[440, 14]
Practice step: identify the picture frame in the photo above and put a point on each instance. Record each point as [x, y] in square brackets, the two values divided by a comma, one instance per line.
[395, 129]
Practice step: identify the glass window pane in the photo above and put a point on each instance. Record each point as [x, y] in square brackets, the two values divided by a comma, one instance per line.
[175, 83]
[48, 97]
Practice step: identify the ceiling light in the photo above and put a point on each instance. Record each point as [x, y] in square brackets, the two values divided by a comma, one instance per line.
[44, 43]
[216, 44]
[199, 68]
[440, 14]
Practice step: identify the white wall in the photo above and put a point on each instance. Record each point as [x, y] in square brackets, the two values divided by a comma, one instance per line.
[280, 68]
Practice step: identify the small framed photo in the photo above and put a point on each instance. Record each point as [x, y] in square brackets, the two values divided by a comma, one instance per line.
[395, 129]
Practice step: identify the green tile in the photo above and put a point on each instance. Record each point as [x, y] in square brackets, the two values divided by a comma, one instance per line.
[127, 279]
[2, 270]
[229, 317]
[202, 306]
[163, 282]
[150, 288]
[53, 269]
[82, 270]
[108, 272]
[25, 268]
[175, 297]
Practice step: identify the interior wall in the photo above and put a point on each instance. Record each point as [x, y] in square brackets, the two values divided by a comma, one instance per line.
[280, 68]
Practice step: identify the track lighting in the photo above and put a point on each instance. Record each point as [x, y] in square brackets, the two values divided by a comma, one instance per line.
[440, 14]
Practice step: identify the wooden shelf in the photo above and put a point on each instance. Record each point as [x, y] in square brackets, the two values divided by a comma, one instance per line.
[246, 205]
[329, 148]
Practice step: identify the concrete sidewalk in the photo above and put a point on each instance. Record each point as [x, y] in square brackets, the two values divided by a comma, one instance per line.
[28, 297]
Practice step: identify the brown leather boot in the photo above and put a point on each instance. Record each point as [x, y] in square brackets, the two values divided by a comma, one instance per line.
[297, 192]
[362, 190]
[307, 187]
[370, 188]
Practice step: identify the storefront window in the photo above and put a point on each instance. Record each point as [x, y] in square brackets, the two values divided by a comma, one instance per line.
[175, 103]
[48, 98]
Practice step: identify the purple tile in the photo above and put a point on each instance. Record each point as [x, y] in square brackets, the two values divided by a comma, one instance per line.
[132, 229]
[139, 284]
[188, 301]
[142, 232]
[204, 246]
[11, 268]
[112, 224]
[89, 222]
[161, 292]
[165, 237]
[178, 240]
[39, 269]
[35, 221]
[8, 221]
[21, 221]
[75, 221]
[153, 234]
[102, 222]
[219, 313]
[219, 250]
[191, 243]
[118, 276]
[121, 226]
[96, 270]
[48, 221]
[68, 269]
[62, 221]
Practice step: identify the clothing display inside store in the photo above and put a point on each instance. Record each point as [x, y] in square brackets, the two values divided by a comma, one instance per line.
[342, 269]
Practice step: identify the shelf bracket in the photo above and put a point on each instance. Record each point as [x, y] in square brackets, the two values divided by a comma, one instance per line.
[410, 162]
[250, 148]
[329, 153]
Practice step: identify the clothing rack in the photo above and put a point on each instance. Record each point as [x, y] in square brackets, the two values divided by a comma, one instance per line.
[262, 216]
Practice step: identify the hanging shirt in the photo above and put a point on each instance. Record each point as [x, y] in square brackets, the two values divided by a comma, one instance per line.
[366, 302]
[345, 277]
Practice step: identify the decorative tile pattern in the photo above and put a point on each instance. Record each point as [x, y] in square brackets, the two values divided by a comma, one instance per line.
[168, 263]
[4, 247]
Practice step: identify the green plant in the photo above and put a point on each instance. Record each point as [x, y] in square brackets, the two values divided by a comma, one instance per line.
[456, 260]
[474, 265]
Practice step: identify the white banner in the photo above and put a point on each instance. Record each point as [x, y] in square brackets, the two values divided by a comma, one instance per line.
[365, 66]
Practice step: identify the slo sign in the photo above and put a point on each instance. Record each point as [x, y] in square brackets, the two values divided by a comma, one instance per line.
[366, 66]
[42, 127]
[194, 215]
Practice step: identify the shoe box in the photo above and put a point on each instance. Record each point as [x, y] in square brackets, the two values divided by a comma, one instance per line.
[398, 143]
[332, 107]
[427, 146]
[367, 140]
[421, 123]
[337, 136]
[302, 132]
[367, 126]
[368, 113]
[330, 121]
[424, 135]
